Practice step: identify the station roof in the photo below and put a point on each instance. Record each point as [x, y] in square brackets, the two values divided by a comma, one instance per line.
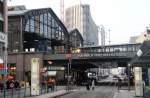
[17, 13]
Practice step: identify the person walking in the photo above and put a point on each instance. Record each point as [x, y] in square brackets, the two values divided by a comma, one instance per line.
[93, 84]
[119, 83]
[88, 84]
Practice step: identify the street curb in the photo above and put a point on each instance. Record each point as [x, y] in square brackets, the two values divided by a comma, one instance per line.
[61, 94]
[115, 94]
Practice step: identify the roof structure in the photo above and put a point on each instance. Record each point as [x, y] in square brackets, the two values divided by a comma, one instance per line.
[142, 56]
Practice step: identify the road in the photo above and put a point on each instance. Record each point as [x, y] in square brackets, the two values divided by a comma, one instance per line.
[99, 92]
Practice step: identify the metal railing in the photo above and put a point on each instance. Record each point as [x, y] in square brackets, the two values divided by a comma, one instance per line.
[26, 91]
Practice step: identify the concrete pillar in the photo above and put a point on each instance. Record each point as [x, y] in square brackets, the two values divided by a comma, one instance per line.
[5, 16]
[138, 81]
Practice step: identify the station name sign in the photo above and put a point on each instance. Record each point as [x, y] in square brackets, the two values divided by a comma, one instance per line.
[100, 54]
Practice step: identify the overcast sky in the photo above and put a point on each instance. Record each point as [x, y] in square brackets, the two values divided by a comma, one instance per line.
[124, 18]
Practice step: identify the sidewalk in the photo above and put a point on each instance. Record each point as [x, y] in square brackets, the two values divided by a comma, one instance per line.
[131, 93]
[124, 94]
[52, 94]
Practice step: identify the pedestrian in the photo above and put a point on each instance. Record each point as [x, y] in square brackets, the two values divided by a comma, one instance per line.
[17, 85]
[53, 84]
[119, 83]
[88, 84]
[93, 84]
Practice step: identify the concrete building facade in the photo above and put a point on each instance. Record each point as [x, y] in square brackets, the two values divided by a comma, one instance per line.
[79, 17]
[140, 38]
[3, 37]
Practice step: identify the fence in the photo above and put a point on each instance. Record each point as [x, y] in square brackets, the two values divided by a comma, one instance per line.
[26, 92]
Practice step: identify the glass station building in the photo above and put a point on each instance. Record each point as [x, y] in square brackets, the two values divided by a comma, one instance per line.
[36, 33]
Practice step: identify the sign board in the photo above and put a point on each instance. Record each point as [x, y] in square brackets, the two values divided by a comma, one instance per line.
[139, 53]
[138, 81]
[35, 76]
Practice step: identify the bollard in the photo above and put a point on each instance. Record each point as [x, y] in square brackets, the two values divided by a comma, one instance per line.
[30, 90]
[18, 92]
[4, 92]
[25, 90]
[12, 93]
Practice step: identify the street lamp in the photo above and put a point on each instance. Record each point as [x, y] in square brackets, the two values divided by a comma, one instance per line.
[129, 76]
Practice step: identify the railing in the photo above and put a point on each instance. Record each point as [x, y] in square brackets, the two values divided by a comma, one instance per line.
[127, 50]
[111, 48]
[26, 92]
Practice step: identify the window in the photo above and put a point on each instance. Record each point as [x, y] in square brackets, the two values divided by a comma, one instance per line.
[27, 26]
[1, 26]
[1, 49]
[32, 25]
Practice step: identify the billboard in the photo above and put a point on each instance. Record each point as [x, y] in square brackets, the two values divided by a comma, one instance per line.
[35, 76]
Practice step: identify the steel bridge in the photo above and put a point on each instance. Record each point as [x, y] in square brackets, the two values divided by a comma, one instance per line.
[120, 54]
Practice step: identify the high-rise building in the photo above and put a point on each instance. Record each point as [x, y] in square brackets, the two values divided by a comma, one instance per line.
[3, 37]
[79, 17]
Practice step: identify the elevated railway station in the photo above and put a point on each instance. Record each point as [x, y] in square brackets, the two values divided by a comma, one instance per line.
[38, 33]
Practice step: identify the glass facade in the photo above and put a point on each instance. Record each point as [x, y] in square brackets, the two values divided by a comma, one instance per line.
[76, 38]
[41, 31]
[44, 28]
[1, 26]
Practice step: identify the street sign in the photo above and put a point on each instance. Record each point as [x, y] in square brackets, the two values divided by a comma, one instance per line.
[11, 85]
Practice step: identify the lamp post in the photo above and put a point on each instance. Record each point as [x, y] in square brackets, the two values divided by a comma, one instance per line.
[129, 76]
[68, 56]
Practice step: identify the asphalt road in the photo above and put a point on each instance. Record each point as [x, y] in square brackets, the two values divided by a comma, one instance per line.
[99, 92]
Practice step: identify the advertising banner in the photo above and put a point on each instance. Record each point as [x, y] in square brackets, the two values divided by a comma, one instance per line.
[138, 81]
[35, 78]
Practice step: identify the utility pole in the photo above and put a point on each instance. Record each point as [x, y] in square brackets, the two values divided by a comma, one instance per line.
[109, 36]
[101, 30]
[5, 28]
[62, 10]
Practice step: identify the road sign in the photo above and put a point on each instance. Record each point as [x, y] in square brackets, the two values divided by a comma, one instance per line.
[11, 85]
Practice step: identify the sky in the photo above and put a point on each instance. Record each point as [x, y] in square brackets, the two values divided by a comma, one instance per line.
[124, 18]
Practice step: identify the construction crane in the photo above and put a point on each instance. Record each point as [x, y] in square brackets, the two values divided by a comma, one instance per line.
[101, 30]
[62, 10]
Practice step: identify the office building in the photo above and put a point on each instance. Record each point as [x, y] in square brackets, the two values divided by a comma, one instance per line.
[79, 17]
